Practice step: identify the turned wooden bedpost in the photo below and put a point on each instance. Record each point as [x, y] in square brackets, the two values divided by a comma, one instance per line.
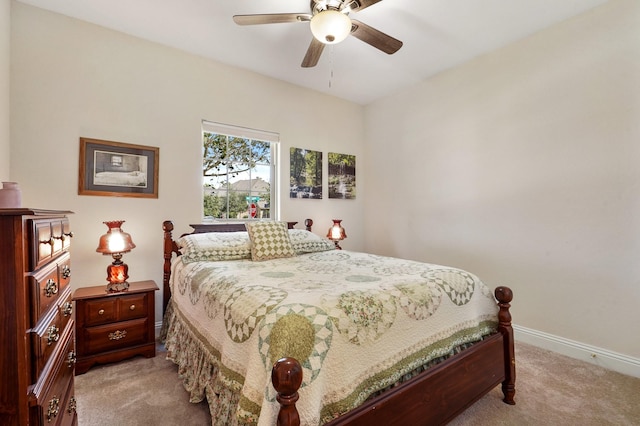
[167, 226]
[286, 377]
[504, 295]
[308, 223]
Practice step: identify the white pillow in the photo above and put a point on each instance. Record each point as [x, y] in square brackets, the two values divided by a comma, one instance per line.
[307, 242]
[215, 246]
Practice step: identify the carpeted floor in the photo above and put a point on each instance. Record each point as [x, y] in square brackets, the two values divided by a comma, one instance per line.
[550, 390]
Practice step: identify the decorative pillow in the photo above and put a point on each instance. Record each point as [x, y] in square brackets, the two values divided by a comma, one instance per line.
[307, 242]
[215, 246]
[269, 240]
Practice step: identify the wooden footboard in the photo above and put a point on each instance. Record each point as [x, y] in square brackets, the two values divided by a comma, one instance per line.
[435, 396]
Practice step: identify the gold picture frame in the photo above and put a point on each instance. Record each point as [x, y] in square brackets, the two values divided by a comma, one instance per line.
[118, 169]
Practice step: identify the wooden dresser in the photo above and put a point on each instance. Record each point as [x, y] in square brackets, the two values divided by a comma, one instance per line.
[37, 329]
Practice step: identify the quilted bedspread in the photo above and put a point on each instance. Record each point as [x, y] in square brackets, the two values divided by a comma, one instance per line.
[357, 323]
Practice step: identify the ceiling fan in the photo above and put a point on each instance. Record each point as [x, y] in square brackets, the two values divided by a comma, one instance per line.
[330, 24]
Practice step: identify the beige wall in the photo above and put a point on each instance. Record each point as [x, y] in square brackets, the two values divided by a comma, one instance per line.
[518, 166]
[73, 79]
[522, 166]
[5, 43]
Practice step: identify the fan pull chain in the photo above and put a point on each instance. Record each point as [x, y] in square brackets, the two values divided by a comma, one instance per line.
[330, 66]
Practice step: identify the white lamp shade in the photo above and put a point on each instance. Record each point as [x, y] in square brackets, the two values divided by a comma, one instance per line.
[330, 26]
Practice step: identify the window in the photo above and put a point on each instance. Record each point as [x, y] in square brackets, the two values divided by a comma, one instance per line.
[116, 160]
[239, 172]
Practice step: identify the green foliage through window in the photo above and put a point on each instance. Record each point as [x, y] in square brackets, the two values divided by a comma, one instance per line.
[237, 174]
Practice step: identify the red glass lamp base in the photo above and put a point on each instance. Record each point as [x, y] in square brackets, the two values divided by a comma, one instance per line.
[117, 276]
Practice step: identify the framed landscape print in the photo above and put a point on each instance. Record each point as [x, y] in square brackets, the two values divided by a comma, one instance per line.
[342, 176]
[306, 173]
[117, 169]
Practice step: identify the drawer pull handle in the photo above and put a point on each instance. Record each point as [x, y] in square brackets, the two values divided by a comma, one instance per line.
[54, 408]
[67, 309]
[50, 288]
[53, 334]
[117, 335]
[101, 312]
[71, 359]
[132, 307]
[64, 236]
[51, 241]
[72, 405]
[66, 272]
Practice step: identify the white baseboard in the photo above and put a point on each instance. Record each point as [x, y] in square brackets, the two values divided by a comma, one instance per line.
[604, 358]
[158, 327]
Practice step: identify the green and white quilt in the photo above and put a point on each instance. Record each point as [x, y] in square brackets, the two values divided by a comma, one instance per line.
[357, 323]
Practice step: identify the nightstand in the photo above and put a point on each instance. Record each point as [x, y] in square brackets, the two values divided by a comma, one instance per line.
[113, 326]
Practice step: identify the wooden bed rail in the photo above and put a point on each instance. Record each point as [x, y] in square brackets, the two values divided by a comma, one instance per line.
[421, 399]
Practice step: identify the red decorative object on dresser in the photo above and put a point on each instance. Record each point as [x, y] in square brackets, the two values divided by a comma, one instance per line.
[37, 327]
[114, 326]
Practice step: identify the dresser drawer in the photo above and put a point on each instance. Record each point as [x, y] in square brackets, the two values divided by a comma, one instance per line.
[113, 309]
[52, 394]
[45, 337]
[47, 284]
[50, 238]
[68, 416]
[104, 338]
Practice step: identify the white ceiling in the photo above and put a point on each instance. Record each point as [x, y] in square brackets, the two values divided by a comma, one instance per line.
[437, 35]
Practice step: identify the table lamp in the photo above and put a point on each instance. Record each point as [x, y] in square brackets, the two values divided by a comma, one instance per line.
[116, 242]
[336, 233]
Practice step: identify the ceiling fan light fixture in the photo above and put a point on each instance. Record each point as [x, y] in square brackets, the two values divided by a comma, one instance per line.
[330, 26]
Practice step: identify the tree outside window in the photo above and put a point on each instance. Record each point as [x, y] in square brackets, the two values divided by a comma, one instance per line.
[237, 177]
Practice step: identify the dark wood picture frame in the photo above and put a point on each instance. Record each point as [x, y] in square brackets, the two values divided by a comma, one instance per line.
[118, 169]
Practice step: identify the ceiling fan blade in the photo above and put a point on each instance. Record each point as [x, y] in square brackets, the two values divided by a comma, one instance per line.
[375, 38]
[313, 54]
[358, 5]
[271, 18]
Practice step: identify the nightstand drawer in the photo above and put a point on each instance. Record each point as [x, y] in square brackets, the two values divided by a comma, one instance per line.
[114, 309]
[110, 337]
[99, 311]
[133, 306]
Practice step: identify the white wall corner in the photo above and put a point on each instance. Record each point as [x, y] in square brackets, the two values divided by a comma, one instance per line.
[158, 328]
[597, 356]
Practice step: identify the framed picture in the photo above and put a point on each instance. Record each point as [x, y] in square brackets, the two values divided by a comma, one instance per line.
[306, 173]
[117, 169]
[342, 176]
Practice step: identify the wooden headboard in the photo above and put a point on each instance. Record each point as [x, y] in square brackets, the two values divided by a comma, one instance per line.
[171, 247]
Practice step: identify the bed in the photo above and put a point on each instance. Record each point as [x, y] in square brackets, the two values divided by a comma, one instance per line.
[296, 332]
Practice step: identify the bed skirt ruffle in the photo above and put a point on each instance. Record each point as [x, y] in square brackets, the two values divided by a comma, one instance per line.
[199, 369]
